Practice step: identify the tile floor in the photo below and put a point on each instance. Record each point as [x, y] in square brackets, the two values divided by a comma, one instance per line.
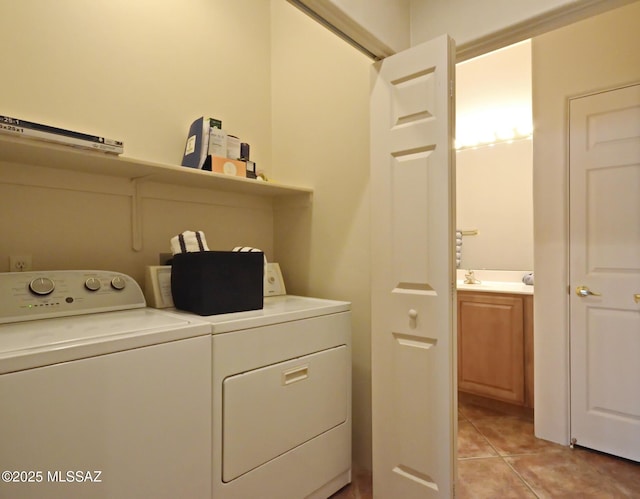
[499, 457]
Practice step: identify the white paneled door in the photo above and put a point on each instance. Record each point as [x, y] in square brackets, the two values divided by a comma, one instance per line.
[413, 280]
[604, 170]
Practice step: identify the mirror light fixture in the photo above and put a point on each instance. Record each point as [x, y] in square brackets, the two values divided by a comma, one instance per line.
[493, 126]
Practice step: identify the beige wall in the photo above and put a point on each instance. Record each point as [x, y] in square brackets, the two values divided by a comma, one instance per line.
[494, 182]
[596, 54]
[139, 72]
[494, 196]
[321, 138]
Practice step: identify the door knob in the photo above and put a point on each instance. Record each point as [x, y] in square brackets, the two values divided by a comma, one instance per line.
[413, 314]
[583, 291]
[636, 298]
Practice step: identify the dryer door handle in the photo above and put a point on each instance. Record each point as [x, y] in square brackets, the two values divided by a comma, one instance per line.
[295, 374]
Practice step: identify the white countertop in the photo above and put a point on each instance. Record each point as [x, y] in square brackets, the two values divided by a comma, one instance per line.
[495, 281]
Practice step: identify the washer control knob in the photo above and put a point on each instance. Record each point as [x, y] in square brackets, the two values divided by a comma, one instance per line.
[118, 283]
[42, 286]
[92, 284]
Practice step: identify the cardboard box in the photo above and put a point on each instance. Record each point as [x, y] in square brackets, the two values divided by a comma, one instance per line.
[228, 166]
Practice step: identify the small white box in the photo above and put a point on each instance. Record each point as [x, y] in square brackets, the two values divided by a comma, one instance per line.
[233, 147]
[217, 142]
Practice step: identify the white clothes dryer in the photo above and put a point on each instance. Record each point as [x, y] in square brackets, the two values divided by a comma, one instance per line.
[100, 396]
[282, 399]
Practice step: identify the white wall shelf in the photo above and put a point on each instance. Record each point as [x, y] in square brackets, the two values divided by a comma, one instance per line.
[32, 152]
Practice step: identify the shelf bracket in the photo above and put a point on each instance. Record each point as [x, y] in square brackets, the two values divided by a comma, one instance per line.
[136, 214]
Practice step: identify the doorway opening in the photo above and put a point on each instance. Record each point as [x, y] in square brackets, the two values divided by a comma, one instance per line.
[494, 204]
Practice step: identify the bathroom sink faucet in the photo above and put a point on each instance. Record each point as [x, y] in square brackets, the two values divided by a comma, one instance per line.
[470, 278]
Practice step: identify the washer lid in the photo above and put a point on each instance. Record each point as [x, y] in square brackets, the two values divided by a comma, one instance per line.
[277, 309]
[48, 341]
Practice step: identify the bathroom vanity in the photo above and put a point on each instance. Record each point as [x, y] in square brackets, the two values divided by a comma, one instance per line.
[495, 341]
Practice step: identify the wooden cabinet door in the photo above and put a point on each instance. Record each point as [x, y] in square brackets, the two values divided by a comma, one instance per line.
[491, 346]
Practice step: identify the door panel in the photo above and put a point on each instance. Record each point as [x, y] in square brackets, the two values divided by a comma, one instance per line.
[412, 182]
[410, 176]
[619, 251]
[605, 257]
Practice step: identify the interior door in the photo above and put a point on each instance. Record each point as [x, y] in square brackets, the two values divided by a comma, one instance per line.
[604, 170]
[413, 279]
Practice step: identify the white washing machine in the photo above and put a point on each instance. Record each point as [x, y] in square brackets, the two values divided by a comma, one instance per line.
[100, 396]
[282, 399]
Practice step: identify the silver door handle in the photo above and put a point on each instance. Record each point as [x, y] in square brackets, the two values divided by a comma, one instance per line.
[583, 291]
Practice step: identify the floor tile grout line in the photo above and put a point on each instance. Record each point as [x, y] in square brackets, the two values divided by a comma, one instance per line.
[500, 455]
[477, 458]
[504, 456]
[522, 479]
[485, 438]
[508, 454]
